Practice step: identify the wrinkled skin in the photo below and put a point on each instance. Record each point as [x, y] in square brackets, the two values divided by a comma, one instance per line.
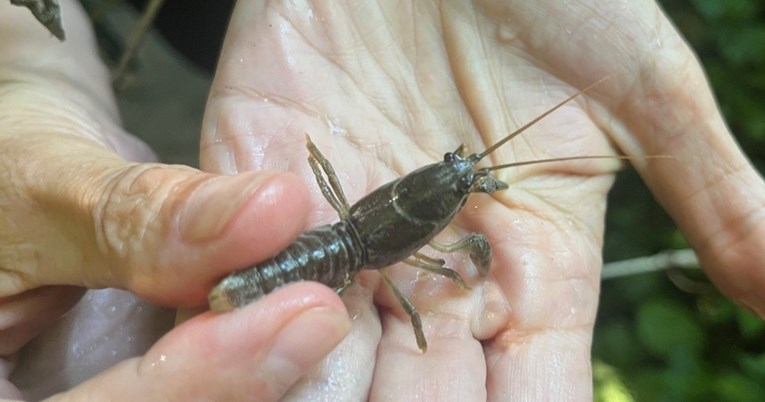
[382, 89]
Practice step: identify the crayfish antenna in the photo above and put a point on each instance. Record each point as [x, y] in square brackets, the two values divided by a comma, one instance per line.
[572, 158]
[537, 119]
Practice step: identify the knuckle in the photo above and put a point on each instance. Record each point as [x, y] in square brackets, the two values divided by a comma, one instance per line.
[129, 215]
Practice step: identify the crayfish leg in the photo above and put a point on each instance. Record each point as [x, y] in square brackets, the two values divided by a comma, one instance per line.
[476, 244]
[332, 191]
[422, 343]
[435, 266]
[347, 282]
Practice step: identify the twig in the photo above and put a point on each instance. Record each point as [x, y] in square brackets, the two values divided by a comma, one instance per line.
[685, 258]
[135, 39]
[47, 12]
[688, 285]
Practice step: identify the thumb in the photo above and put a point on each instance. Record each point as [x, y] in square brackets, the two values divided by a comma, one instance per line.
[80, 215]
[254, 353]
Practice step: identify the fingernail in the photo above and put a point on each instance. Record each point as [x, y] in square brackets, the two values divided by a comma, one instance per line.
[210, 207]
[305, 340]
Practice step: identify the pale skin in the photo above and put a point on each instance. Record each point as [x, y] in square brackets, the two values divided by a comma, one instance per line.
[382, 89]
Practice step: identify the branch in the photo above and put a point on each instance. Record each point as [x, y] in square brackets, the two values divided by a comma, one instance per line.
[135, 39]
[662, 261]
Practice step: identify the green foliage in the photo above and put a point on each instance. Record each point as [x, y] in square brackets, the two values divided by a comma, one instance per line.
[750, 325]
[754, 366]
[735, 387]
[681, 347]
[618, 341]
[729, 35]
[610, 385]
[654, 341]
[666, 327]
[732, 10]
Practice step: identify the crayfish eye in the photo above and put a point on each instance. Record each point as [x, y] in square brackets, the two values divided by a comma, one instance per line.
[456, 155]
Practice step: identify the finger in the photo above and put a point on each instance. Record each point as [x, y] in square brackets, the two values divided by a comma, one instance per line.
[166, 232]
[453, 368]
[347, 372]
[530, 366]
[25, 315]
[710, 189]
[661, 104]
[254, 353]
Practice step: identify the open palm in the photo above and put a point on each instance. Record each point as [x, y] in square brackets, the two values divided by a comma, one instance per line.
[384, 88]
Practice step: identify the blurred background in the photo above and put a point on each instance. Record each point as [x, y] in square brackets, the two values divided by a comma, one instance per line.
[661, 336]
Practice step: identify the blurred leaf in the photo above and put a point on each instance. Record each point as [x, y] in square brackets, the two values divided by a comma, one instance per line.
[686, 374]
[677, 240]
[616, 343]
[757, 80]
[735, 387]
[716, 310]
[742, 44]
[609, 387]
[649, 385]
[754, 365]
[665, 326]
[642, 287]
[750, 325]
[727, 9]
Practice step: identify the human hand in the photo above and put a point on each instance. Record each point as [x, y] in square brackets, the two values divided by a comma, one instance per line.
[76, 213]
[384, 88]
